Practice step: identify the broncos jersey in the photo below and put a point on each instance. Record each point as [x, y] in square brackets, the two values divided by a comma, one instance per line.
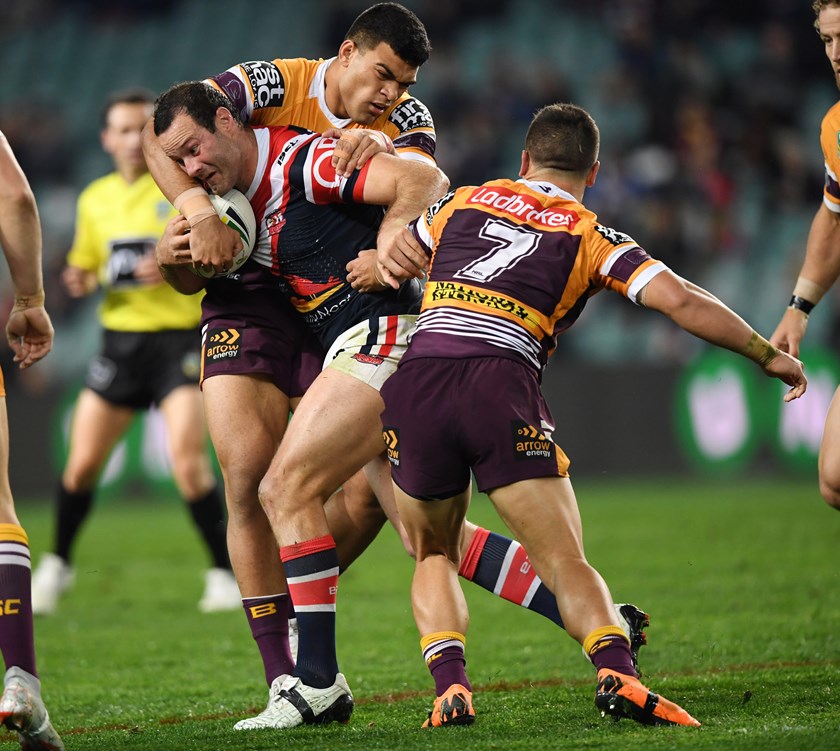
[830, 142]
[292, 92]
[311, 224]
[512, 266]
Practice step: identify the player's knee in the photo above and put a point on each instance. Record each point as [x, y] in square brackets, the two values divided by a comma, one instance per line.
[830, 493]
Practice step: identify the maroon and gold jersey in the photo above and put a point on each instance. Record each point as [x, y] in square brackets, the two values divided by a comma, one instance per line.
[830, 142]
[512, 266]
[292, 92]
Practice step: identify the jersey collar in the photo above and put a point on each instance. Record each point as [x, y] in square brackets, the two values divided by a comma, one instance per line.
[318, 90]
[550, 189]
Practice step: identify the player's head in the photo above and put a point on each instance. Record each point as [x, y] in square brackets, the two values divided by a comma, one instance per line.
[379, 58]
[197, 128]
[563, 138]
[122, 119]
[827, 24]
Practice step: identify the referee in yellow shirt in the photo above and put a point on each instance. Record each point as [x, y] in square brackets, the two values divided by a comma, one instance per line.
[150, 356]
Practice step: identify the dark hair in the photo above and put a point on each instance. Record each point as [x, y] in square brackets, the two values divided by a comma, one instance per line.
[125, 96]
[395, 25]
[563, 137]
[197, 99]
[819, 5]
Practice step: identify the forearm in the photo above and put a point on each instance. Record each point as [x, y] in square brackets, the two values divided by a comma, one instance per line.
[699, 312]
[414, 192]
[822, 256]
[20, 235]
[181, 279]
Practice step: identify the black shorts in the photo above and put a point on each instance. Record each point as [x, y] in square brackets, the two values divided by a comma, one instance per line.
[139, 369]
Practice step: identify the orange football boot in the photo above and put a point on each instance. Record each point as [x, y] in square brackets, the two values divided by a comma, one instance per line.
[622, 695]
[453, 708]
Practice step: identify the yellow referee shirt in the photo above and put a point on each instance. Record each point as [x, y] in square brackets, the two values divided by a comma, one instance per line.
[116, 223]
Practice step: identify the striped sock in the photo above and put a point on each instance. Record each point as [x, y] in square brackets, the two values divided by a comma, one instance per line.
[268, 618]
[501, 566]
[17, 640]
[443, 652]
[312, 578]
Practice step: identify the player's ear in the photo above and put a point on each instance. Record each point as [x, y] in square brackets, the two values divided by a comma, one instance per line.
[593, 173]
[525, 164]
[346, 51]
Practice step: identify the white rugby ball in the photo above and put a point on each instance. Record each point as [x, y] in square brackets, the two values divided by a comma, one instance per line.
[235, 211]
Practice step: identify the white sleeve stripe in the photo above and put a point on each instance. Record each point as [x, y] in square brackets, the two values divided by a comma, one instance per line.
[642, 279]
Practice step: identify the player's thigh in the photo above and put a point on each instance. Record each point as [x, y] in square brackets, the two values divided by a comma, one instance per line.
[246, 416]
[829, 461]
[543, 515]
[333, 433]
[96, 427]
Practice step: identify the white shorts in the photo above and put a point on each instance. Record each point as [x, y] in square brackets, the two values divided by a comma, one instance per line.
[370, 351]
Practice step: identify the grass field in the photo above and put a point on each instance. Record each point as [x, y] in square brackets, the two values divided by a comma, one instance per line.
[742, 583]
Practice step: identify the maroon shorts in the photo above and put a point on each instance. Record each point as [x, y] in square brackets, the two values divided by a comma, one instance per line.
[445, 417]
[251, 329]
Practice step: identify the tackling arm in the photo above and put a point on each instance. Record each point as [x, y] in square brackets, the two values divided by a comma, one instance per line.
[698, 312]
[407, 187]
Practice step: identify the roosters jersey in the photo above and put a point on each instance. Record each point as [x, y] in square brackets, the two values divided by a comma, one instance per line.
[512, 266]
[311, 224]
[292, 92]
[116, 224]
[830, 142]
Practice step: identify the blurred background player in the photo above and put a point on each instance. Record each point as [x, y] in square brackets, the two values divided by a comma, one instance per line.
[150, 356]
[822, 255]
[30, 335]
[513, 264]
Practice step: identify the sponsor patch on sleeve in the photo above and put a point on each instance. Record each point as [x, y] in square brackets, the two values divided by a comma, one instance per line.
[266, 82]
[411, 114]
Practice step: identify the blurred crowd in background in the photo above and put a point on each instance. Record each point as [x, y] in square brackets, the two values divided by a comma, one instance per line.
[709, 115]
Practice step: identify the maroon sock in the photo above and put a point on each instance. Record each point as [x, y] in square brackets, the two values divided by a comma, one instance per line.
[614, 655]
[268, 618]
[17, 640]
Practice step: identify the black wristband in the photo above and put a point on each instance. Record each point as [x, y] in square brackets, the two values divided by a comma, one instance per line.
[800, 303]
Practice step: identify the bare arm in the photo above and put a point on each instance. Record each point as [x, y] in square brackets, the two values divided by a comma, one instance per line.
[407, 187]
[699, 312]
[29, 330]
[819, 272]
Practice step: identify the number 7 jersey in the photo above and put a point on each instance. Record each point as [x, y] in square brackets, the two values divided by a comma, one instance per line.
[512, 266]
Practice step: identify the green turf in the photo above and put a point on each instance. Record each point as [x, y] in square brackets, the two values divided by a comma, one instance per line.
[742, 582]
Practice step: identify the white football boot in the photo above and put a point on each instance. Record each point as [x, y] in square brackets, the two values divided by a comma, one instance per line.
[292, 703]
[22, 710]
[221, 591]
[50, 580]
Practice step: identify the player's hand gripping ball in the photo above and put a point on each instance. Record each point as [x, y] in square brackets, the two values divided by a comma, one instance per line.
[235, 211]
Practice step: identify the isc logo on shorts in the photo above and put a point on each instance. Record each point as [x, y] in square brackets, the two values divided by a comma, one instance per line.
[391, 436]
[222, 344]
[529, 442]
